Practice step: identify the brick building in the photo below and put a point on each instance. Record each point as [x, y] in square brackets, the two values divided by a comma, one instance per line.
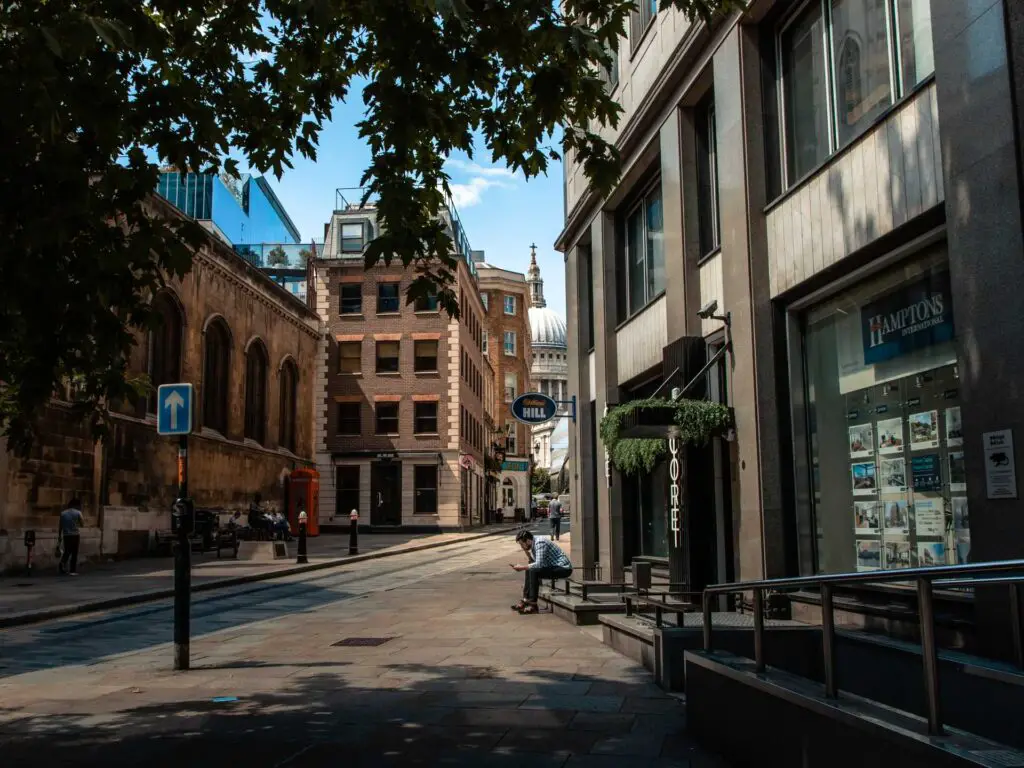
[507, 343]
[244, 343]
[400, 432]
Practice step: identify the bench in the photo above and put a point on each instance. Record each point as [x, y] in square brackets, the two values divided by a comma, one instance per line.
[226, 538]
[681, 603]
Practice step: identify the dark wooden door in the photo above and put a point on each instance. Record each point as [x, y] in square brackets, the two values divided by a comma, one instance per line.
[386, 494]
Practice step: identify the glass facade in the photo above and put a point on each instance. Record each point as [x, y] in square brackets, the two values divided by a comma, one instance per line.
[885, 466]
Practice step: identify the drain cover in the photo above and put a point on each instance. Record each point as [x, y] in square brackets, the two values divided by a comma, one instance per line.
[362, 641]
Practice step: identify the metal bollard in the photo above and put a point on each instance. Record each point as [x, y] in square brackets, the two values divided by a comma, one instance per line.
[353, 533]
[303, 518]
[30, 543]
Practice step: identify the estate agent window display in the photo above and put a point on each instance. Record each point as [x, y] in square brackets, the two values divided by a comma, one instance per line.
[884, 424]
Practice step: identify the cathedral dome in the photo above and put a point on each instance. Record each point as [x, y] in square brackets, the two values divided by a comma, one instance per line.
[547, 329]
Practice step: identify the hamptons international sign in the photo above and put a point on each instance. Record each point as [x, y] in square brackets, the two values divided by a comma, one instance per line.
[534, 408]
[915, 316]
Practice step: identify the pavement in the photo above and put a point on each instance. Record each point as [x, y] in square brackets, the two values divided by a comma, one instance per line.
[411, 660]
[99, 586]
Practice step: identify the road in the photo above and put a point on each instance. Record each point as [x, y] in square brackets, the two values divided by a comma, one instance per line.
[442, 674]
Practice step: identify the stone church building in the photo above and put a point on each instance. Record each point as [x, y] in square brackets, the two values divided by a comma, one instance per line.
[244, 343]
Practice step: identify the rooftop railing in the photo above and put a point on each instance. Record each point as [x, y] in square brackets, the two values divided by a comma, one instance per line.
[278, 255]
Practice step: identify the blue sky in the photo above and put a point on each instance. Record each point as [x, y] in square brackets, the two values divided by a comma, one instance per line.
[503, 214]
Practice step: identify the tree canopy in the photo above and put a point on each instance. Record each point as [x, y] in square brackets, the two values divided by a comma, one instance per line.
[98, 93]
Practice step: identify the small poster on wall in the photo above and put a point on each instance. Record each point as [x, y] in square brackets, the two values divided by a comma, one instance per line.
[897, 554]
[954, 428]
[862, 441]
[865, 517]
[957, 472]
[890, 436]
[926, 472]
[929, 517]
[869, 555]
[924, 430]
[863, 478]
[897, 518]
[894, 475]
[931, 553]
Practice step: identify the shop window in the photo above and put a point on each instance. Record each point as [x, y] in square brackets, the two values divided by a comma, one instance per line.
[387, 298]
[387, 356]
[346, 489]
[425, 418]
[425, 489]
[350, 418]
[351, 299]
[643, 252]
[884, 437]
[848, 44]
[350, 357]
[289, 378]
[387, 418]
[216, 367]
[425, 356]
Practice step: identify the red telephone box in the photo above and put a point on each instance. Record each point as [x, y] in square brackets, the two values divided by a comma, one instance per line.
[304, 494]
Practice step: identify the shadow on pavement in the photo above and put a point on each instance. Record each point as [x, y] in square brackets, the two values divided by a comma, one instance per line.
[453, 716]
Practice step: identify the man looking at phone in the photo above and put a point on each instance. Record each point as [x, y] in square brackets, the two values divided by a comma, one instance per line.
[547, 561]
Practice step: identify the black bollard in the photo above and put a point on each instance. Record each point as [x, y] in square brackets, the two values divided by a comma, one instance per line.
[353, 533]
[302, 540]
[30, 543]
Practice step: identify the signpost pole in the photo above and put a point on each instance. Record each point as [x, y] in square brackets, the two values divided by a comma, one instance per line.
[182, 567]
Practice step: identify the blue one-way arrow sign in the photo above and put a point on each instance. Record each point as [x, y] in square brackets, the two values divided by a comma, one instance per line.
[174, 409]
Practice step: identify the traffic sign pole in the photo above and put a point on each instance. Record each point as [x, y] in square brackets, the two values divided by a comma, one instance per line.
[182, 568]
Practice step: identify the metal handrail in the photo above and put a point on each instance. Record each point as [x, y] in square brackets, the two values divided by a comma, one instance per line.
[947, 575]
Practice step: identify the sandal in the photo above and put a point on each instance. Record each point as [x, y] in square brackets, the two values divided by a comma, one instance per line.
[529, 608]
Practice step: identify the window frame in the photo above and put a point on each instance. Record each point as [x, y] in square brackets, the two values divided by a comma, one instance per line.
[397, 358]
[419, 472]
[486, 301]
[638, 25]
[707, 163]
[358, 298]
[257, 375]
[483, 343]
[166, 345]
[506, 299]
[342, 238]
[898, 90]
[427, 304]
[216, 396]
[397, 298]
[416, 356]
[288, 400]
[417, 417]
[638, 206]
[514, 387]
[358, 345]
[348, 419]
[504, 343]
[377, 417]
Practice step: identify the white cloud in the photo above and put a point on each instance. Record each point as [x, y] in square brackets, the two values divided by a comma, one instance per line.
[468, 195]
[475, 169]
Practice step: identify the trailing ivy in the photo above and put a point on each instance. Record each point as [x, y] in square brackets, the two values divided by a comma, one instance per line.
[698, 421]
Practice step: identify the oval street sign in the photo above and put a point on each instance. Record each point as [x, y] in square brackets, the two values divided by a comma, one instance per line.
[534, 408]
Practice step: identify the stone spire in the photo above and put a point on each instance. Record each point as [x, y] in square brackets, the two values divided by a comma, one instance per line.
[534, 280]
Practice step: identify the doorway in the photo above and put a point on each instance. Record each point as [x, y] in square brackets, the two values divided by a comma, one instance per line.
[386, 494]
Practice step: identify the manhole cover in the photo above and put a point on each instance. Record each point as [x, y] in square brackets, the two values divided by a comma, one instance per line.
[362, 641]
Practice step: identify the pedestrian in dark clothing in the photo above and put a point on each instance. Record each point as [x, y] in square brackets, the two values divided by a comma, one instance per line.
[258, 523]
[69, 533]
[547, 561]
[555, 516]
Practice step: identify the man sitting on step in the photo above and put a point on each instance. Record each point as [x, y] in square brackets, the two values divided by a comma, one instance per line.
[547, 561]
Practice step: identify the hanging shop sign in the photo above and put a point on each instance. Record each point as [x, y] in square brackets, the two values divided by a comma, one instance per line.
[912, 317]
[674, 471]
[534, 408]
[515, 466]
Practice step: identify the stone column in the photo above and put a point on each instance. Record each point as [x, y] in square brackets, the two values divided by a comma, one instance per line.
[609, 505]
[757, 494]
[986, 254]
[676, 284]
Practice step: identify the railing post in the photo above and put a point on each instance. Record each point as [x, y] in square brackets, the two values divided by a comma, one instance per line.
[706, 607]
[828, 642]
[930, 654]
[758, 630]
[1015, 628]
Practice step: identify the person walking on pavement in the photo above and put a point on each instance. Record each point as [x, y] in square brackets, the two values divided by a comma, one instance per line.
[69, 533]
[547, 561]
[555, 516]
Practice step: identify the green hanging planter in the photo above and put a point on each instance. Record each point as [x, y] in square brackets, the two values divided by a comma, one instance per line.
[697, 420]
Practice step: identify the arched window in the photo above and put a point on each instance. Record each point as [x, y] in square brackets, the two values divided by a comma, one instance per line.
[164, 344]
[289, 398]
[216, 375]
[256, 392]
